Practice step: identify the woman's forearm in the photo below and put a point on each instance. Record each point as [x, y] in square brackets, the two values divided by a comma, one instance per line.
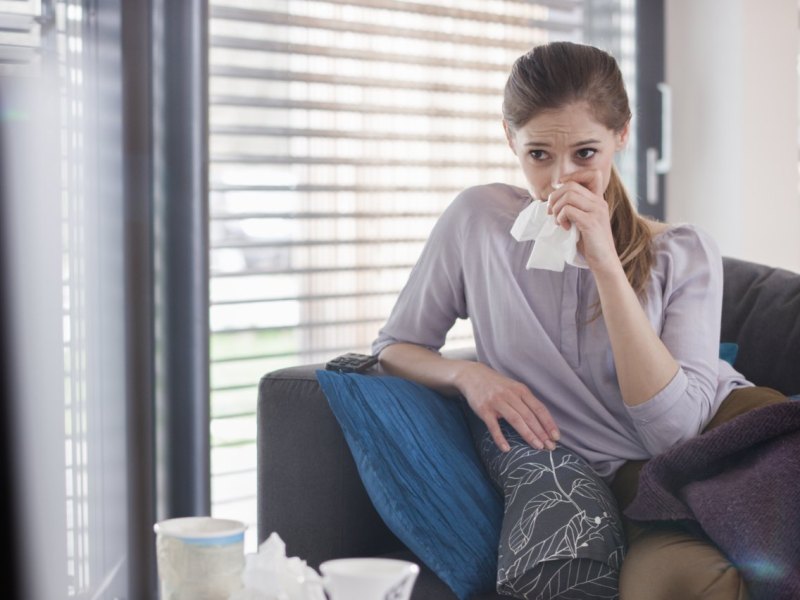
[423, 366]
[491, 395]
[644, 364]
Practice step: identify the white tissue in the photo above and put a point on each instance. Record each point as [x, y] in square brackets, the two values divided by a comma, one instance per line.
[270, 575]
[554, 245]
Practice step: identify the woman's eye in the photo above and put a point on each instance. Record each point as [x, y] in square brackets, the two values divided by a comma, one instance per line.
[538, 154]
[586, 153]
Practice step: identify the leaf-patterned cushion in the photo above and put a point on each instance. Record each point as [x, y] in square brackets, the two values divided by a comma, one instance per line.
[562, 535]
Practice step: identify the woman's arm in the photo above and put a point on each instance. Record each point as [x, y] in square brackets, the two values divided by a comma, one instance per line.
[667, 380]
[644, 364]
[490, 395]
[423, 366]
[430, 302]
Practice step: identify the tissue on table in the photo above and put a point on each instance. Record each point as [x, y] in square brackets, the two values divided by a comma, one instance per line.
[270, 575]
[554, 245]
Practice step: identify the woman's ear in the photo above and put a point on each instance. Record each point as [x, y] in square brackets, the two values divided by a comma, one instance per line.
[509, 137]
[622, 136]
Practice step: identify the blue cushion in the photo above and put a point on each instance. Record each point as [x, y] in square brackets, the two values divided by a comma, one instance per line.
[416, 458]
[728, 352]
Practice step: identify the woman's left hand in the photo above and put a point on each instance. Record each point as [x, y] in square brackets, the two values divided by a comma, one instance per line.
[579, 202]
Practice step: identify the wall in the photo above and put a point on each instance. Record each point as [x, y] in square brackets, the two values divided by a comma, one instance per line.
[732, 65]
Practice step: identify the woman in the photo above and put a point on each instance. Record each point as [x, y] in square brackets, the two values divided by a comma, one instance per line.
[619, 361]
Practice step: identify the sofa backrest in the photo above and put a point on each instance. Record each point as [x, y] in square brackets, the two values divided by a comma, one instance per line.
[761, 313]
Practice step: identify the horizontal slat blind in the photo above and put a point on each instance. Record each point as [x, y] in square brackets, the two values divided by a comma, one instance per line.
[340, 130]
[20, 37]
[40, 40]
[35, 34]
[80, 478]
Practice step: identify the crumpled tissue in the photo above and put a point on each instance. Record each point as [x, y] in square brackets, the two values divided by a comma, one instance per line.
[555, 246]
[270, 575]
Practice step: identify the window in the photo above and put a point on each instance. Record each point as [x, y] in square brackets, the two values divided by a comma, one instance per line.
[80, 496]
[340, 130]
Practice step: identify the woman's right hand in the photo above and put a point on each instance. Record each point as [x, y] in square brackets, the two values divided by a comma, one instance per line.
[490, 395]
[493, 396]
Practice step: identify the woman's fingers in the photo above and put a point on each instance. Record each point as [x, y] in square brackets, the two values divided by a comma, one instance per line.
[572, 196]
[530, 428]
[520, 425]
[571, 189]
[573, 203]
[493, 396]
[533, 434]
[493, 426]
[573, 193]
[543, 416]
[588, 178]
[568, 214]
[587, 183]
[528, 418]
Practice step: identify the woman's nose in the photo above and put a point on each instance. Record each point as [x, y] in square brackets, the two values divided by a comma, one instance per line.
[563, 168]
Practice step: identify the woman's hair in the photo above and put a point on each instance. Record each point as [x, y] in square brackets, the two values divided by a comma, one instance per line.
[554, 75]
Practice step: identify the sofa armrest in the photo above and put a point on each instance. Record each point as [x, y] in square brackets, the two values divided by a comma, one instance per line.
[309, 490]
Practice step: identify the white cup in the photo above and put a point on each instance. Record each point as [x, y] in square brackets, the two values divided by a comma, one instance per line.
[368, 578]
[199, 558]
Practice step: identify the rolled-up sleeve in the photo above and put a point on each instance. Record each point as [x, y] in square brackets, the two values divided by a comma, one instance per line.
[691, 274]
[433, 297]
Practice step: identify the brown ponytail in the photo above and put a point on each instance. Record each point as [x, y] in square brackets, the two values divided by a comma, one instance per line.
[631, 234]
[554, 75]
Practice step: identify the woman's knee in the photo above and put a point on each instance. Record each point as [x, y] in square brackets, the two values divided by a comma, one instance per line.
[744, 400]
[669, 563]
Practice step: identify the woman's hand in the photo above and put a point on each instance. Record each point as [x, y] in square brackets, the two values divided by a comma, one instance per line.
[579, 202]
[493, 396]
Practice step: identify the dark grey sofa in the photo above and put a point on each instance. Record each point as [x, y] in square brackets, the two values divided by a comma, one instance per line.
[308, 486]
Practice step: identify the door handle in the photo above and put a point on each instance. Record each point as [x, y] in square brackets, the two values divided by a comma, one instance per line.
[656, 166]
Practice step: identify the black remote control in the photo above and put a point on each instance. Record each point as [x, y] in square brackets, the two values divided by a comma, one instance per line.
[351, 363]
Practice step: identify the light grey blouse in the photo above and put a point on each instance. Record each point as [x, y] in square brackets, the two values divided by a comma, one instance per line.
[535, 326]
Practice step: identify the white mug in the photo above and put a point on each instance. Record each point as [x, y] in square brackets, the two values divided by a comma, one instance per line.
[368, 578]
[199, 558]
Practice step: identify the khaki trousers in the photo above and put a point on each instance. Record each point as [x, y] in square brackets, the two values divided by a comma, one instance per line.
[666, 562]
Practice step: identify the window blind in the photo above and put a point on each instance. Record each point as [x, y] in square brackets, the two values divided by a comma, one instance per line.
[339, 132]
[96, 403]
[63, 221]
[34, 36]
[21, 24]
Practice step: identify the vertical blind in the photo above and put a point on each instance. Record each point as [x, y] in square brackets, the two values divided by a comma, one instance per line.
[339, 131]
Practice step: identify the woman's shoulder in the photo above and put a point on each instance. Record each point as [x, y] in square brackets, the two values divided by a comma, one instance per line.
[481, 212]
[491, 207]
[683, 248]
[684, 236]
[492, 197]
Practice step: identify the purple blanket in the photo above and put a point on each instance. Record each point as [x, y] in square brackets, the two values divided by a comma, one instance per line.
[741, 483]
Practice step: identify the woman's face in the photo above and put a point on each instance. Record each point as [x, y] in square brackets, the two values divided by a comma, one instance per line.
[561, 141]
